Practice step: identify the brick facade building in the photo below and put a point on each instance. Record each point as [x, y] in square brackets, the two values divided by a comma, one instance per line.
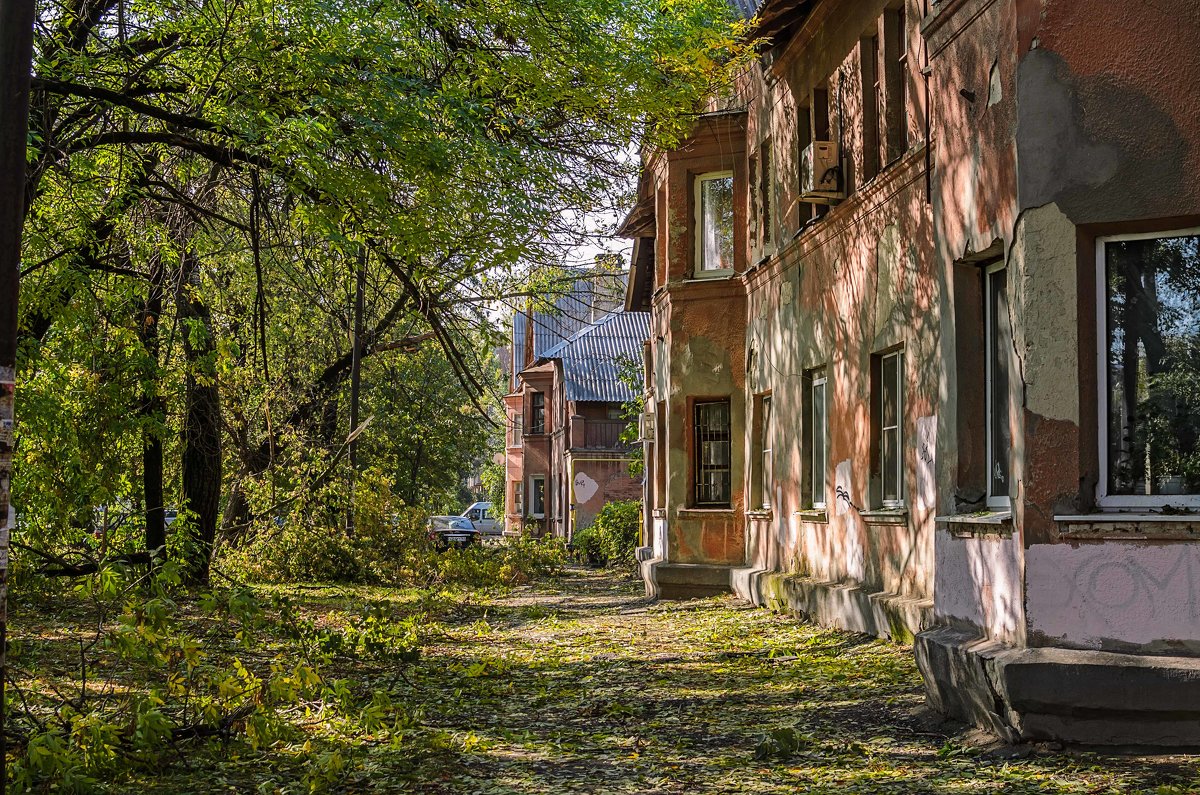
[924, 347]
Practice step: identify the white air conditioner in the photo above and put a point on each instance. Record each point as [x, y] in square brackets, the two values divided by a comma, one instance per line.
[821, 173]
[646, 427]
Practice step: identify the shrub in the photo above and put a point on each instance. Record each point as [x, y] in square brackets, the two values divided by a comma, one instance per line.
[587, 543]
[612, 537]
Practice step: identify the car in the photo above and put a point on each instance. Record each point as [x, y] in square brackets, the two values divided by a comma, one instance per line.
[480, 515]
[451, 531]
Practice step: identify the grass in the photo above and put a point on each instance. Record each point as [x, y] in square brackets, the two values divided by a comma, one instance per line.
[578, 685]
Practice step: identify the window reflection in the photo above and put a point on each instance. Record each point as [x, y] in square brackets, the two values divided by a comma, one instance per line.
[715, 203]
[1153, 298]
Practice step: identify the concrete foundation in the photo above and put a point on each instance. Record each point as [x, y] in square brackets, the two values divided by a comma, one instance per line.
[1085, 697]
[834, 604]
[683, 580]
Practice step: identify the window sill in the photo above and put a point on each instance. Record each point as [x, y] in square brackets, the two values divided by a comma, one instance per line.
[705, 513]
[980, 523]
[893, 516]
[712, 276]
[817, 515]
[1131, 526]
[760, 513]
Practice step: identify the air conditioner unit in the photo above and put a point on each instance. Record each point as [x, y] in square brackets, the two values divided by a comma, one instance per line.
[821, 173]
[646, 427]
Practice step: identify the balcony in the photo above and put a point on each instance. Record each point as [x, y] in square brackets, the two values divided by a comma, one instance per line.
[597, 434]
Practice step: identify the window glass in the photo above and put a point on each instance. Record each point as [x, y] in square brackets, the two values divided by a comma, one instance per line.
[890, 458]
[715, 209]
[765, 446]
[818, 439]
[537, 422]
[537, 499]
[1000, 349]
[1152, 290]
[712, 453]
[767, 216]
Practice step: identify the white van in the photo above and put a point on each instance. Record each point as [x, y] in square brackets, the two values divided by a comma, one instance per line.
[480, 514]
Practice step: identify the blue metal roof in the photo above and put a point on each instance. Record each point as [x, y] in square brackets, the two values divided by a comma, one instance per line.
[590, 356]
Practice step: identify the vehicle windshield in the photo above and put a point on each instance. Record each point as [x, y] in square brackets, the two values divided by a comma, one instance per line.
[450, 523]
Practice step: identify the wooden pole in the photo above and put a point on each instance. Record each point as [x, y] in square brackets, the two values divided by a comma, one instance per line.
[16, 61]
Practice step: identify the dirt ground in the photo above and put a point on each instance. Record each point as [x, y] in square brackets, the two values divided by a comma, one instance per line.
[580, 685]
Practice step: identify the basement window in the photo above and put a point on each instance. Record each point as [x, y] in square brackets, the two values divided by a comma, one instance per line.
[1149, 343]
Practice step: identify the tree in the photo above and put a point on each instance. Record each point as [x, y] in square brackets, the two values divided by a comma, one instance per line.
[232, 160]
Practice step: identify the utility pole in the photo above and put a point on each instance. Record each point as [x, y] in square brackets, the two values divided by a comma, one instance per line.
[16, 63]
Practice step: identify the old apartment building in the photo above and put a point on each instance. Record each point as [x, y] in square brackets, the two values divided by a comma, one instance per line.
[924, 350]
[565, 457]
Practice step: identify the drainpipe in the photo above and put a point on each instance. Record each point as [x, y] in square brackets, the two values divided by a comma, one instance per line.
[574, 460]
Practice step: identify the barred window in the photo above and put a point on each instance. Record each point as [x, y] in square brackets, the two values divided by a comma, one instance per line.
[712, 454]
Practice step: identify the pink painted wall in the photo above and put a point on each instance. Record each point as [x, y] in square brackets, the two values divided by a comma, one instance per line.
[1115, 596]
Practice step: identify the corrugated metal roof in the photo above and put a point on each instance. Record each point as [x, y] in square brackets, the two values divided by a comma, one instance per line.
[590, 356]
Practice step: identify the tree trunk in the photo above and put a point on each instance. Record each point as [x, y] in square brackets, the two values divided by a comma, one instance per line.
[152, 410]
[201, 430]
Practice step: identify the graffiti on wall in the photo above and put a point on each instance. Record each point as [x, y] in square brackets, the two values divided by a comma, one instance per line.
[1105, 594]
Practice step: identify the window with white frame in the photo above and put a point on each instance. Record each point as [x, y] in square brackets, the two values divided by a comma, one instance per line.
[767, 468]
[537, 496]
[714, 223]
[1149, 374]
[818, 424]
[998, 332]
[889, 417]
[518, 498]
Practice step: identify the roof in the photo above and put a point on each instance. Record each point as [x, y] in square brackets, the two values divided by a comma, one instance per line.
[590, 357]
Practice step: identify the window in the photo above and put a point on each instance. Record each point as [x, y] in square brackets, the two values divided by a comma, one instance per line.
[660, 454]
[537, 412]
[766, 210]
[517, 423]
[818, 438]
[1149, 340]
[822, 130]
[518, 498]
[868, 59]
[537, 496]
[895, 82]
[712, 454]
[888, 414]
[998, 332]
[803, 138]
[766, 463]
[714, 223]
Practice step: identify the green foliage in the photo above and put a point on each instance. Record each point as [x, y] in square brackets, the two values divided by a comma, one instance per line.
[494, 483]
[387, 544]
[781, 742]
[630, 372]
[613, 536]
